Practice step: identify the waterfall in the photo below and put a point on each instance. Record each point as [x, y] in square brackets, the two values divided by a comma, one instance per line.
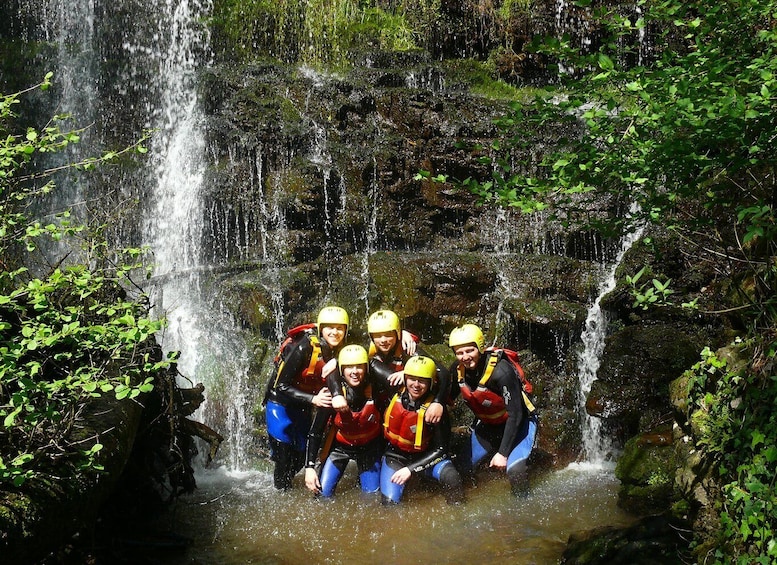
[371, 235]
[597, 447]
[68, 27]
[201, 329]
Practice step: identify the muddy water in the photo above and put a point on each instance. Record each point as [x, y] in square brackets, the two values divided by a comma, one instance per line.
[241, 519]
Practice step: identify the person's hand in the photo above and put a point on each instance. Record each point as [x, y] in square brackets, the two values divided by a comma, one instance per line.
[433, 413]
[323, 399]
[339, 403]
[311, 480]
[409, 343]
[401, 477]
[328, 368]
[498, 461]
[397, 379]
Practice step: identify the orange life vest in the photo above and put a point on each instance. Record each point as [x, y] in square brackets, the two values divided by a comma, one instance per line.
[358, 428]
[405, 428]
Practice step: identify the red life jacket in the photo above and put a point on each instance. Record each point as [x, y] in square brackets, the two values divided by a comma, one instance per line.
[512, 356]
[358, 428]
[404, 428]
[310, 380]
[487, 405]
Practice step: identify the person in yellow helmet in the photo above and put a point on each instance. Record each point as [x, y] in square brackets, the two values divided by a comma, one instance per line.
[298, 387]
[355, 430]
[504, 430]
[388, 360]
[416, 447]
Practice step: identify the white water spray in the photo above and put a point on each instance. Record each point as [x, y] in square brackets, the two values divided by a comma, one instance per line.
[597, 447]
[206, 335]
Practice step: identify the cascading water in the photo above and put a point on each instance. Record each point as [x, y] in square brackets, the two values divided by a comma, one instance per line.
[597, 447]
[252, 521]
[210, 345]
[69, 27]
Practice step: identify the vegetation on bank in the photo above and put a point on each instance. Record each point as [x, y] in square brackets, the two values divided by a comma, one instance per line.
[684, 137]
[69, 332]
[318, 32]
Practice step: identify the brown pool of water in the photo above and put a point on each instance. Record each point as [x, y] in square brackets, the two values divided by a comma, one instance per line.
[237, 519]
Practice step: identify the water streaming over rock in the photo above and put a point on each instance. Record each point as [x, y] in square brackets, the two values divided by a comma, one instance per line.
[200, 327]
[597, 446]
[179, 216]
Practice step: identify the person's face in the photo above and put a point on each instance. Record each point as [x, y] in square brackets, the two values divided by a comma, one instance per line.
[468, 355]
[384, 341]
[354, 374]
[416, 387]
[333, 334]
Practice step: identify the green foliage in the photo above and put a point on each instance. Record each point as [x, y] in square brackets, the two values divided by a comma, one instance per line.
[320, 33]
[688, 137]
[735, 425]
[68, 335]
[645, 295]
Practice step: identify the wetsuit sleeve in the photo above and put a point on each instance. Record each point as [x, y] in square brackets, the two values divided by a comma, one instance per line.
[453, 373]
[316, 435]
[439, 447]
[334, 382]
[297, 362]
[505, 381]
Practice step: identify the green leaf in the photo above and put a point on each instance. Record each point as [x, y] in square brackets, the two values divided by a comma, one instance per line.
[605, 63]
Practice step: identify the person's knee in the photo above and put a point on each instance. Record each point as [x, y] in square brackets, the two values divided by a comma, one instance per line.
[518, 476]
[452, 485]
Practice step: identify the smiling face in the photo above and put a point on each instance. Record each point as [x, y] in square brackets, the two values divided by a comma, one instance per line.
[468, 355]
[333, 334]
[417, 387]
[384, 341]
[354, 374]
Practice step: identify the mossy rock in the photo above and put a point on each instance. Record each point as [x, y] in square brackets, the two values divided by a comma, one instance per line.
[647, 470]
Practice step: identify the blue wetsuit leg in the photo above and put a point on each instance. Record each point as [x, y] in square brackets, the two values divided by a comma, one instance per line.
[369, 478]
[436, 471]
[477, 451]
[287, 424]
[330, 476]
[391, 491]
[517, 460]
[448, 476]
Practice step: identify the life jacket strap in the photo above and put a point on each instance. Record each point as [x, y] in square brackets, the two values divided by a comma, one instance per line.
[314, 356]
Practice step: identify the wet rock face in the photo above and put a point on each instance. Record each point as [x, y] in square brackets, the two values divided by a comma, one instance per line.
[638, 364]
[316, 176]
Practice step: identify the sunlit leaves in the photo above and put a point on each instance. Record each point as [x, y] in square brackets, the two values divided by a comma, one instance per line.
[68, 335]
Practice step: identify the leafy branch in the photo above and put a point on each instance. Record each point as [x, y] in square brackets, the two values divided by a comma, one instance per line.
[68, 336]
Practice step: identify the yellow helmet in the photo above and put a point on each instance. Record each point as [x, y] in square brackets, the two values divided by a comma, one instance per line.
[332, 315]
[421, 367]
[352, 355]
[383, 321]
[468, 333]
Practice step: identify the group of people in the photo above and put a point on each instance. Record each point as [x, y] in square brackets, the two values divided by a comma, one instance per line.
[386, 407]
